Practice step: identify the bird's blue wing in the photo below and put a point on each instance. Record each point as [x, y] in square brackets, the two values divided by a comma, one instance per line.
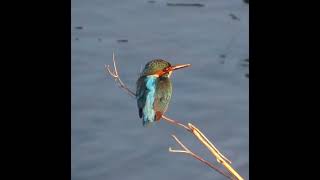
[146, 87]
[141, 97]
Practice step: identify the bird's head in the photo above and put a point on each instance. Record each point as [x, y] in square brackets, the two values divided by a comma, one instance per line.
[161, 68]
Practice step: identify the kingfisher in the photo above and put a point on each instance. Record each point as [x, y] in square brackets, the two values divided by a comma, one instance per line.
[154, 89]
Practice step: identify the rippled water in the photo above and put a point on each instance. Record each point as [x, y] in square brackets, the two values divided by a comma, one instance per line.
[108, 140]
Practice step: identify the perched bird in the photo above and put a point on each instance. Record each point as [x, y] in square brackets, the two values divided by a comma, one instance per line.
[154, 89]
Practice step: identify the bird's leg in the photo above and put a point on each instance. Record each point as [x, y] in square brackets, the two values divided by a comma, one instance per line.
[114, 73]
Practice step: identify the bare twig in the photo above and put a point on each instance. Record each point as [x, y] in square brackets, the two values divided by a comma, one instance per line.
[176, 123]
[190, 128]
[205, 141]
[187, 151]
[220, 158]
[114, 73]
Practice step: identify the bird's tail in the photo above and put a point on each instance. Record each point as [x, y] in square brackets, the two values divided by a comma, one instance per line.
[148, 118]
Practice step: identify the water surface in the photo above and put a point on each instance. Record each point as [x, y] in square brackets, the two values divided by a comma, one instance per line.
[108, 140]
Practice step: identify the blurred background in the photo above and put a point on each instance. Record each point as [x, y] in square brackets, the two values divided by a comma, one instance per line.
[108, 139]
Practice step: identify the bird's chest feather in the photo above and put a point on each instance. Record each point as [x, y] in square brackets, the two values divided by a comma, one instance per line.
[163, 94]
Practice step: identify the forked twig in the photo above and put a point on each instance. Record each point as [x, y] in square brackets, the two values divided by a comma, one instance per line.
[114, 73]
[197, 133]
[187, 151]
[205, 141]
[190, 128]
[220, 158]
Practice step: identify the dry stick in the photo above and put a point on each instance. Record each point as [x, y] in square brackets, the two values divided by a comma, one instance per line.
[190, 129]
[205, 141]
[117, 79]
[176, 123]
[195, 131]
[214, 151]
[187, 151]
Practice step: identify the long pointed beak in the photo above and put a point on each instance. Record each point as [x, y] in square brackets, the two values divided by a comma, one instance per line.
[179, 66]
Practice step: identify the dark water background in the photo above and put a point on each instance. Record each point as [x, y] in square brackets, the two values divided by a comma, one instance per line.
[108, 140]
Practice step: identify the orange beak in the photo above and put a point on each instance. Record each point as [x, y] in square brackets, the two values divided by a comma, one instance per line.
[172, 68]
[179, 66]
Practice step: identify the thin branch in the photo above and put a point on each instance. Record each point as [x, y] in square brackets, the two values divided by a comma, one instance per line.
[187, 151]
[175, 122]
[181, 144]
[192, 128]
[174, 150]
[114, 73]
[220, 158]
[207, 140]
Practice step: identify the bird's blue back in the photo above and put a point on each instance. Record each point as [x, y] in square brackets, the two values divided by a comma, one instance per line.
[146, 89]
